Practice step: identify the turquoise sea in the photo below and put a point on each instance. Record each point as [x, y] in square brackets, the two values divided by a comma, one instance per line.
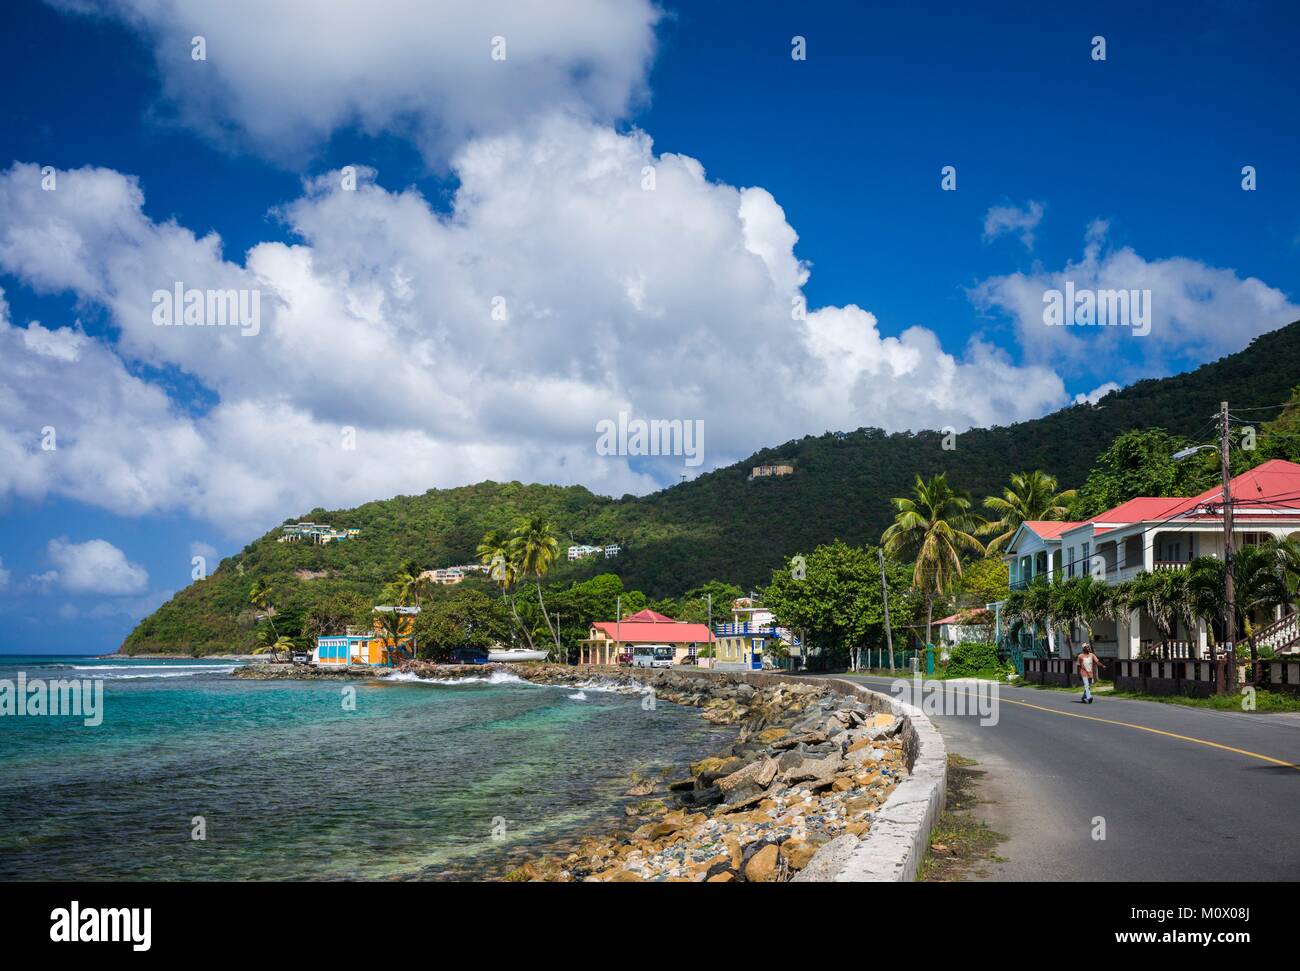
[421, 781]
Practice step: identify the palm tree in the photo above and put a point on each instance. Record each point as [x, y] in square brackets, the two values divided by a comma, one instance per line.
[411, 585]
[936, 523]
[410, 582]
[1163, 596]
[392, 629]
[1036, 610]
[1288, 554]
[494, 552]
[1204, 591]
[1030, 496]
[1259, 583]
[1078, 600]
[260, 597]
[274, 644]
[533, 549]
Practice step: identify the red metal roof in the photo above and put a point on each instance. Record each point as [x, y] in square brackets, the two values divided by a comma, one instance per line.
[1049, 528]
[1273, 485]
[973, 616]
[649, 627]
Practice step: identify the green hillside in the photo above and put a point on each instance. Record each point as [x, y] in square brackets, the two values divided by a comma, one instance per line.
[721, 525]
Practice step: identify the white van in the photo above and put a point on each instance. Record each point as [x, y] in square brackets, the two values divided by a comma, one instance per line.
[653, 656]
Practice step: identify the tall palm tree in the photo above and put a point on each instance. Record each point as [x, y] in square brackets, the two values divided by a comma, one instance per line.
[260, 597]
[1030, 496]
[411, 587]
[495, 553]
[936, 523]
[534, 548]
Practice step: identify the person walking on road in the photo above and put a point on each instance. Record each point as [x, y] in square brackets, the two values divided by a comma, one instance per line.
[1087, 664]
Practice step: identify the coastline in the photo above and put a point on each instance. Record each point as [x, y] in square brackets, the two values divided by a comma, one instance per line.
[802, 780]
[793, 795]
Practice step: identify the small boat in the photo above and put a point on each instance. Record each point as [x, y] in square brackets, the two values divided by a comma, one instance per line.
[510, 656]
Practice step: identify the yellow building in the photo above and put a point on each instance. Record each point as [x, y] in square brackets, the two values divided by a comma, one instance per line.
[362, 646]
[609, 639]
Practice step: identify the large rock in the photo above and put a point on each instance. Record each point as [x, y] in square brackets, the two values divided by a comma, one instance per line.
[764, 866]
[709, 770]
[759, 772]
[797, 853]
[803, 738]
[820, 772]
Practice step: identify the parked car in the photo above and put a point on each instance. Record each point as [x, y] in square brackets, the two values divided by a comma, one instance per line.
[624, 659]
[689, 659]
[300, 657]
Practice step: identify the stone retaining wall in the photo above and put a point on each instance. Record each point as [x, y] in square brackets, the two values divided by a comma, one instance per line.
[900, 831]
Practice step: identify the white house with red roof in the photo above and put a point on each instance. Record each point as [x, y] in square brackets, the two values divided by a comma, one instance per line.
[1156, 533]
[610, 638]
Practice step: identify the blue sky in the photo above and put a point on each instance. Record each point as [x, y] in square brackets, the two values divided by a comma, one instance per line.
[1129, 170]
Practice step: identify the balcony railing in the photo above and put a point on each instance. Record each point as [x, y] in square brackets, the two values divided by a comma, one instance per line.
[755, 630]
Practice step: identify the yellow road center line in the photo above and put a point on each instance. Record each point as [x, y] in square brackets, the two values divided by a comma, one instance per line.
[1157, 731]
[1153, 731]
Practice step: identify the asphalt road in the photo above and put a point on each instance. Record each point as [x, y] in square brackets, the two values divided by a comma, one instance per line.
[1185, 793]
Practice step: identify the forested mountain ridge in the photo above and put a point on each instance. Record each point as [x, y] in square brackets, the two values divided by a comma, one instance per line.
[722, 524]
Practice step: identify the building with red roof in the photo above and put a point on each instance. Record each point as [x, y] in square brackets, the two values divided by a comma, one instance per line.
[610, 638]
[1151, 533]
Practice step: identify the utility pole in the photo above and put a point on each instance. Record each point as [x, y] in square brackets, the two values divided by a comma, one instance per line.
[884, 593]
[618, 630]
[1229, 610]
[713, 653]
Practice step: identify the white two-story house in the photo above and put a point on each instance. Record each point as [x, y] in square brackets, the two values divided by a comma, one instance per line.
[1155, 533]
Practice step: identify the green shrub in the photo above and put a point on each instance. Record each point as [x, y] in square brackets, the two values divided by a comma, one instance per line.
[972, 658]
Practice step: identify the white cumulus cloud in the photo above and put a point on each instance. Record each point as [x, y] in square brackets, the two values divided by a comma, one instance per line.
[280, 77]
[1197, 312]
[95, 567]
[380, 367]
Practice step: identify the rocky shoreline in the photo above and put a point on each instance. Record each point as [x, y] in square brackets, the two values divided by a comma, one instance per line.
[807, 771]
[281, 671]
[809, 768]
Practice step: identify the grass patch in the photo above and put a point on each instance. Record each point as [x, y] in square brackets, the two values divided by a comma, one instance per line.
[959, 843]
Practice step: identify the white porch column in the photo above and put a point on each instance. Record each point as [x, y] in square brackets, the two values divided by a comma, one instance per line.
[1202, 639]
[1149, 550]
[1131, 643]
